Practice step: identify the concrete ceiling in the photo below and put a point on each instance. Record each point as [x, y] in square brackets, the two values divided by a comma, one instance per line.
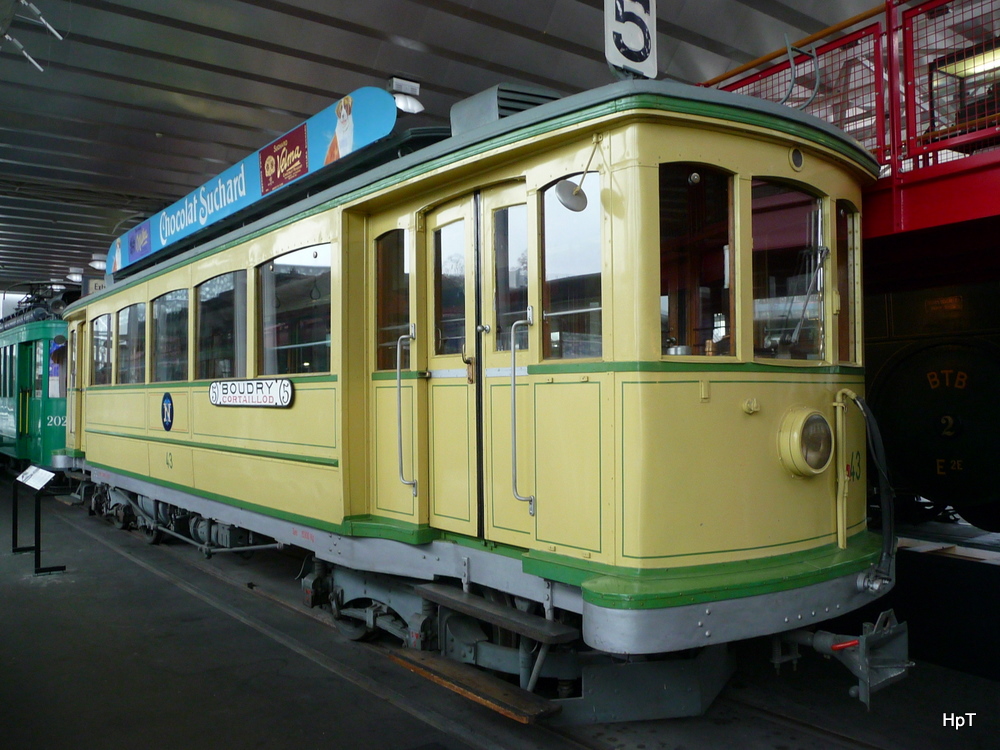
[141, 102]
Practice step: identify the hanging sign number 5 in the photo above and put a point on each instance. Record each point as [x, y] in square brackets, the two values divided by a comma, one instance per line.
[630, 37]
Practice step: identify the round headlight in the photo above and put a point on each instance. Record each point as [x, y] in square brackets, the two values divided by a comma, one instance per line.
[805, 442]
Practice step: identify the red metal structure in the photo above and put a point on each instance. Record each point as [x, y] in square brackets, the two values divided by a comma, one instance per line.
[918, 88]
[917, 84]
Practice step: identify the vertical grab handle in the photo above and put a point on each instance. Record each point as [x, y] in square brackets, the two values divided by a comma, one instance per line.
[840, 411]
[412, 335]
[24, 403]
[529, 320]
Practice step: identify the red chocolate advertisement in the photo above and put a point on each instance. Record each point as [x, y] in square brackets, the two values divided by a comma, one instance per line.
[284, 160]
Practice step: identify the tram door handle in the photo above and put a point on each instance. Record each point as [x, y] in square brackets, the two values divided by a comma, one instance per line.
[470, 367]
[528, 321]
[411, 336]
[24, 399]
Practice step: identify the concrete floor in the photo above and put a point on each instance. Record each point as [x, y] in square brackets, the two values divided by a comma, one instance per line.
[138, 646]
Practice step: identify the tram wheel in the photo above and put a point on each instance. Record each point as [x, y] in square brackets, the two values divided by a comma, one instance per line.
[353, 628]
[119, 517]
[151, 535]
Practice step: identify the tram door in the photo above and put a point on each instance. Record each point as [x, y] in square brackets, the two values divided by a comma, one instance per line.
[477, 274]
[74, 392]
[26, 366]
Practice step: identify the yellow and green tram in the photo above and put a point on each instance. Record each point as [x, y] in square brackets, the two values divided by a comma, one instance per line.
[33, 383]
[566, 389]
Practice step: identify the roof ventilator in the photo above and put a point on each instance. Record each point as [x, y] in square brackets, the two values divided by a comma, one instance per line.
[493, 104]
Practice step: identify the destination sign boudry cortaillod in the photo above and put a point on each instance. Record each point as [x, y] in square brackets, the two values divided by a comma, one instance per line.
[275, 393]
[359, 119]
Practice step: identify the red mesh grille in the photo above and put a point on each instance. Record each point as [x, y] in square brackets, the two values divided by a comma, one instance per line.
[951, 61]
[848, 93]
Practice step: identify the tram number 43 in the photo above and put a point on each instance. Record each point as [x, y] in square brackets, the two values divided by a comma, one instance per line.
[630, 36]
[169, 460]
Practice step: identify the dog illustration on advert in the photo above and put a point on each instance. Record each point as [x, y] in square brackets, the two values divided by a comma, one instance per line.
[343, 140]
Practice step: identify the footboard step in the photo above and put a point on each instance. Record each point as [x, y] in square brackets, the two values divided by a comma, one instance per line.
[534, 627]
[475, 684]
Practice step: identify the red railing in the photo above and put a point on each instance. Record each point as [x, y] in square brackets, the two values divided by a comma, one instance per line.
[947, 68]
[842, 84]
[919, 88]
[951, 61]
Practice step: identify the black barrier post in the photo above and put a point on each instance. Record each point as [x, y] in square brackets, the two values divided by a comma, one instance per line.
[39, 570]
[13, 531]
[36, 479]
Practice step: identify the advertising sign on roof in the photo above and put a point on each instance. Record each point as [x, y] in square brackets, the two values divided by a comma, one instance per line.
[359, 119]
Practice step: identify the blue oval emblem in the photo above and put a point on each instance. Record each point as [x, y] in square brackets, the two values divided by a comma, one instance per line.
[167, 412]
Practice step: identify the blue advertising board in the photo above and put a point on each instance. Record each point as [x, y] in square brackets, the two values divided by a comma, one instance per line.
[359, 119]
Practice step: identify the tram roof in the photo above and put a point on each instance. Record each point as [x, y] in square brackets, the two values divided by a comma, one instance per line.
[377, 165]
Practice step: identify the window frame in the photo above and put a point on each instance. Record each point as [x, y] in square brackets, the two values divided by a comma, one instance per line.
[119, 350]
[385, 347]
[503, 310]
[547, 314]
[730, 274]
[262, 349]
[241, 342]
[820, 234]
[154, 345]
[849, 316]
[108, 347]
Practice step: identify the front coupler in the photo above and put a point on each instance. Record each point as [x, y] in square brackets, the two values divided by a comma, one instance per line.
[878, 657]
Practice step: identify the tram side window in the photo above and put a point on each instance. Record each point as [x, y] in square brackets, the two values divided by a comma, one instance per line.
[294, 312]
[72, 358]
[170, 337]
[571, 263]
[132, 344]
[510, 243]
[449, 288]
[392, 299]
[222, 322]
[848, 241]
[57, 369]
[100, 351]
[696, 302]
[41, 360]
[788, 262]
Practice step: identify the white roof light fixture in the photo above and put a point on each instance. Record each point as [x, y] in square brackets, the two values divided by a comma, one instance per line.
[405, 93]
[98, 262]
[8, 12]
[75, 275]
[984, 62]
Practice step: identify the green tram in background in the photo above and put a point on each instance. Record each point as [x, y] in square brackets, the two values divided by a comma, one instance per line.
[33, 350]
